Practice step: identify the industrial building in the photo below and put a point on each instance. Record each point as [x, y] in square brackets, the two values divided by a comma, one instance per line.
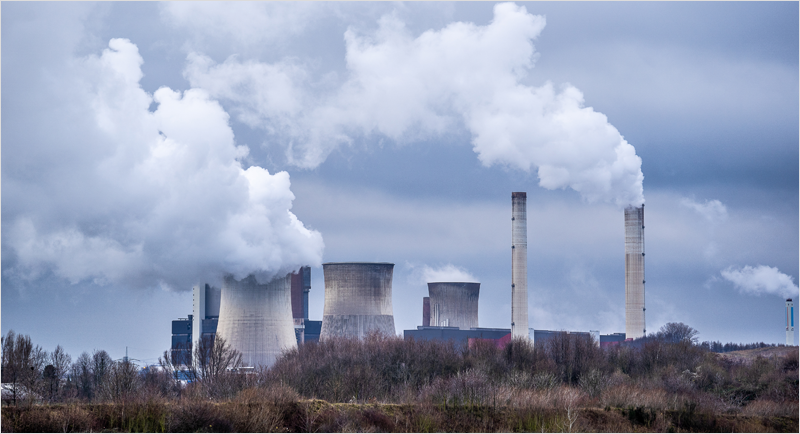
[502, 336]
[358, 299]
[204, 319]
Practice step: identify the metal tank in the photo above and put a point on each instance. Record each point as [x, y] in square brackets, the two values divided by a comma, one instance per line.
[454, 304]
[519, 265]
[634, 272]
[358, 299]
[256, 319]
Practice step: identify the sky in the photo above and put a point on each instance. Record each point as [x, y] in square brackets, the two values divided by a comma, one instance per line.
[150, 146]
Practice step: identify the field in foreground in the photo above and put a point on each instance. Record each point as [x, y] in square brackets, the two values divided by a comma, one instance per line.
[251, 412]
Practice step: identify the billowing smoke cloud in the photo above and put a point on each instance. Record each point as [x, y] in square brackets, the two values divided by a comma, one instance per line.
[445, 273]
[761, 280]
[712, 210]
[152, 198]
[405, 88]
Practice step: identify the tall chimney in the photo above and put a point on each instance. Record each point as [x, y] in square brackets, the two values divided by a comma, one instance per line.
[789, 322]
[519, 265]
[634, 272]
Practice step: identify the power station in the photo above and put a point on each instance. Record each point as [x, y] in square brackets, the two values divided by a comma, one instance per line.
[261, 320]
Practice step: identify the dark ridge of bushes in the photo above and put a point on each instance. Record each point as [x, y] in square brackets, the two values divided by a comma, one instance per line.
[388, 384]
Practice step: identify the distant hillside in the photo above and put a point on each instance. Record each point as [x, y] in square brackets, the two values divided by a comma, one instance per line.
[768, 352]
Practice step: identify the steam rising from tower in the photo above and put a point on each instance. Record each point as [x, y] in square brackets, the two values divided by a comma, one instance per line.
[256, 319]
[519, 265]
[634, 272]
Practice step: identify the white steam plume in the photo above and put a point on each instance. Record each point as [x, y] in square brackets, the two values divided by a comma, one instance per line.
[712, 210]
[153, 198]
[445, 273]
[405, 88]
[761, 280]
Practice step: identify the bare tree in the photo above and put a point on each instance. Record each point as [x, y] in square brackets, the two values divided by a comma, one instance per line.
[213, 357]
[59, 364]
[121, 381]
[82, 375]
[172, 366]
[101, 366]
[22, 365]
[675, 332]
[213, 361]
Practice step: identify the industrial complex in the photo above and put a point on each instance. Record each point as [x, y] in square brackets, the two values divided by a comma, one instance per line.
[261, 320]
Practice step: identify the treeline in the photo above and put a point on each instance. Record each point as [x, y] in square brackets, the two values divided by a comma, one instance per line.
[719, 347]
[663, 381]
[31, 374]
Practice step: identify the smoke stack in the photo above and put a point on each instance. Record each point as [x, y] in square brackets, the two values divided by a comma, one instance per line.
[256, 319]
[358, 299]
[454, 304]
[634, 272]
[519, 265]
[426, 311]
[789, 322]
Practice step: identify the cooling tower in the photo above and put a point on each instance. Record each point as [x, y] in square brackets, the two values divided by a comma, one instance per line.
[256, 319]
[789, 322]
[519, 265]
[358, 299]
[634, 272]
[454, 304]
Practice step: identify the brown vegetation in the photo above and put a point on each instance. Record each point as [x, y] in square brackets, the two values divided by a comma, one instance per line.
[387, 384]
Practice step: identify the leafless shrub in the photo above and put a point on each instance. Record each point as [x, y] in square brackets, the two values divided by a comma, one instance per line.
[544, 381]
[625, 395]
[569, 399]
[593, 382]
[769, 408]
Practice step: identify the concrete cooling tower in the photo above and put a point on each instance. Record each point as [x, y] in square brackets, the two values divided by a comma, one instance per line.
[519, 265]
[256, 319]
[634, 272]
[454, 304]
[358, 299]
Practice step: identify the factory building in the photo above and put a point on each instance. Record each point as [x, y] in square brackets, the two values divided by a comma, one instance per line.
[206, 302]
[502, 336]
[358, 299]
